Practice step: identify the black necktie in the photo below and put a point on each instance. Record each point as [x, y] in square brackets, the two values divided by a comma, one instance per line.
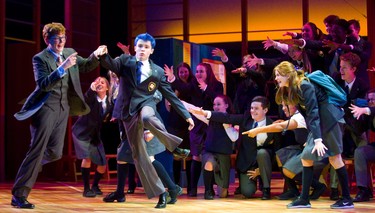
[347, 89]
[139, 71]
[255, 125]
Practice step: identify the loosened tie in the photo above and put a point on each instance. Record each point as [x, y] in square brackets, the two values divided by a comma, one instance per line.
[139, 72]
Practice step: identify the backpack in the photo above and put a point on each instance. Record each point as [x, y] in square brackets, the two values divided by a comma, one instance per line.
[336, 95]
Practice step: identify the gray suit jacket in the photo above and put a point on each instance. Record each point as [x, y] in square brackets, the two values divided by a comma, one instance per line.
[46, 77]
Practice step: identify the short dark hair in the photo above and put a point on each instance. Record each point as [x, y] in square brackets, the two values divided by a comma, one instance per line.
[344, 24]
[355, 23]
[330, 19]
[145, 37]
[263, 100]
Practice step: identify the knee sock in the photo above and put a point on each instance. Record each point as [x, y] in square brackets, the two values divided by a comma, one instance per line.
[196, 168]
[131, 178]
[208, 177]
[85, 178]
[97, 178]
[122, 172]
[163, 175]
[177, 171]
[307, 176]
[342, 175]
[291, 184]
[315, 183]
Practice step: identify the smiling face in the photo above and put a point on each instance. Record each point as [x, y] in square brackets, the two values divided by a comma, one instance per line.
[102, 86]
[220, 105]
[307, 32]
[347, 71]
[57, 42]
[201, 73]
[258, 113]
[143, 50]
[183, 74]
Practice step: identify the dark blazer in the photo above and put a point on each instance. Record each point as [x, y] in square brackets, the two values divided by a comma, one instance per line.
[132, 96]
[247, 152]
[87, 127]
[320, 115]
[47, 77]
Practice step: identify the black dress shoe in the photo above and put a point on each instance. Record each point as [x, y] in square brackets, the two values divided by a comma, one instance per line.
[174, 194]
[362, 196]
[21, 202]
[209, 195]
[193, 192]
[288, 195]
[111, 197]
[97, 190]
[181, 153]
[237, 191]
[89, 193]
[266, 194]
[130, 191]
[162, 203]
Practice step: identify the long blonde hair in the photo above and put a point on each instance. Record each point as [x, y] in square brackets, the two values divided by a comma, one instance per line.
[289, 95]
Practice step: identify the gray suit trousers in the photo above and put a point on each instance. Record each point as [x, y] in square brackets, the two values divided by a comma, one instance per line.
[147, 119]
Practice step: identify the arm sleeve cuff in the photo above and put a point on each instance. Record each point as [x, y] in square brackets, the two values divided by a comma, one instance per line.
[318, 140]
[368, 111]
[209, 114]
[61, 71]
[173, 79]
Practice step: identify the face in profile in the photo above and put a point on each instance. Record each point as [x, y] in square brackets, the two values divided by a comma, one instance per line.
[282, 81]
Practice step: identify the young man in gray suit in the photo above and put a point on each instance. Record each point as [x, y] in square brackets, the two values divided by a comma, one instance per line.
[57, 95]
[139, 79]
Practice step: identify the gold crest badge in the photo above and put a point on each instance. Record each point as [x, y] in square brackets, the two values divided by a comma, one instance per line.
[151, 86]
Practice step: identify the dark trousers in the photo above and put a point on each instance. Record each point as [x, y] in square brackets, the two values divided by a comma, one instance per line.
[147, 119]
[48, 128]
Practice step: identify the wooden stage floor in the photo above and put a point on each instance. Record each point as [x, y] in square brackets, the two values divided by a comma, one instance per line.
[65, 197]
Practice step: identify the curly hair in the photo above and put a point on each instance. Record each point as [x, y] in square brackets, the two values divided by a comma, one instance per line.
[52, 29]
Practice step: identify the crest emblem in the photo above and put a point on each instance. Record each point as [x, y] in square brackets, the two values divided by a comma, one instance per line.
[151, 86]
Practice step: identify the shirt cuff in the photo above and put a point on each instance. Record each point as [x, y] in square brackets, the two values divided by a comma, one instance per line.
[318, 140]
[304, 43]
[261, 61]
[368, 111]
[173, 79]
[61, 71]
[209, 114]
[225, 59]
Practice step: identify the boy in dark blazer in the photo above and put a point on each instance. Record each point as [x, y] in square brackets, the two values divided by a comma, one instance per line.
[139, 79]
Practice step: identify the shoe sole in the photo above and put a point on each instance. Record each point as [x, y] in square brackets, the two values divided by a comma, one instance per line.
[343, 207]
[299, 207]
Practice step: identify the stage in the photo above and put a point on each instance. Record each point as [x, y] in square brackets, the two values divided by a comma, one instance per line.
[52, 196]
